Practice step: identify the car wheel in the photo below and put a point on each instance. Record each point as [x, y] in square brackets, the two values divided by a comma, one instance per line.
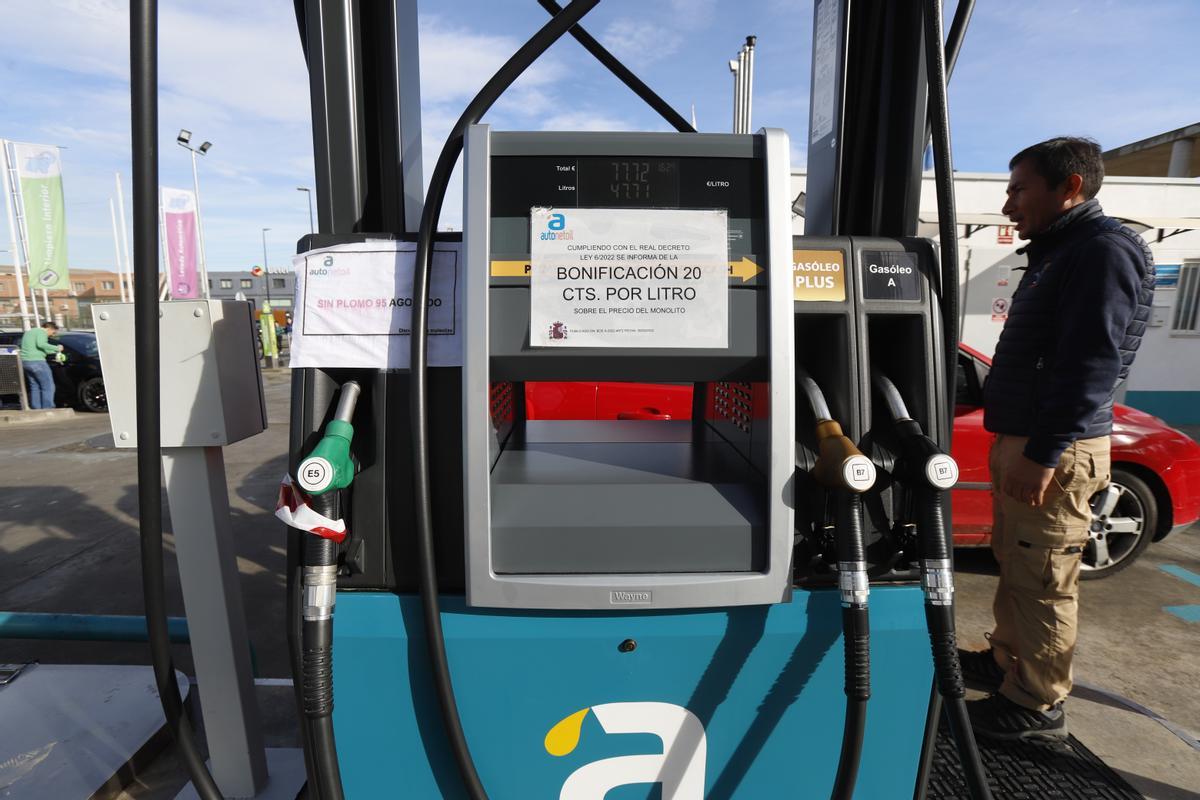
[1124, 519]
[92, 396]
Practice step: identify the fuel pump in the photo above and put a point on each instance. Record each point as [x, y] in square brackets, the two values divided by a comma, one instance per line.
[846, 473]
[590, 579]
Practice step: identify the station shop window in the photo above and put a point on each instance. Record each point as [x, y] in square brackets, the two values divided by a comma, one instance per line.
[247, 283]
[278, 283]
[107, 285]
[226, 283]
[1186, 319]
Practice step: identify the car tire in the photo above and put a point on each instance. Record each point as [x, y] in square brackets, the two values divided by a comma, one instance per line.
[91, 395]
[1122, 526]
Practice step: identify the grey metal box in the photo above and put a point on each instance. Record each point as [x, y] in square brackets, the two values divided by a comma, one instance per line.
[210, 381]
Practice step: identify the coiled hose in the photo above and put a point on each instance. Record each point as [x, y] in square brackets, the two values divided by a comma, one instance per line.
[143, 57]
[419, 395]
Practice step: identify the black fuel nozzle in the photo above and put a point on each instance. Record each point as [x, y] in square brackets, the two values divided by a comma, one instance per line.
[846, 473]
[324, 474]
[926, 471]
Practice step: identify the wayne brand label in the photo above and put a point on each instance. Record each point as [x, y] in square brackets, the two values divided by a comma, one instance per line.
[818, 275]
[631, 597]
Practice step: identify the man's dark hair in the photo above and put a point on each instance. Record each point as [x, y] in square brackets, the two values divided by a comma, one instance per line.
[48, 325]
[1063, 156]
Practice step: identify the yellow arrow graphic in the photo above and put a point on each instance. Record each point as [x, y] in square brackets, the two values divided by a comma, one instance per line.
[510, 269]
[744, 269]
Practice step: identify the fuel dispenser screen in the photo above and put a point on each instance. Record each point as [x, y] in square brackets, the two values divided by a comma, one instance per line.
[637, 182]
[520, 183]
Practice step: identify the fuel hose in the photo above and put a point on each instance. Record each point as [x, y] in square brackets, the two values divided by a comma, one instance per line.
[846, 473]
[929, 473]
[423, 512]
[623, 73]
[326, 473]
[143, 57]
[320, 586]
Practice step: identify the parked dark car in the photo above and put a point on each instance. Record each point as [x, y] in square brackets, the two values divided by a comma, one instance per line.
[78, 383]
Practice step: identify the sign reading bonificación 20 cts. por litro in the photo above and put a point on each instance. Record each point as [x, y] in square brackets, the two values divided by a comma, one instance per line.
[603, 277]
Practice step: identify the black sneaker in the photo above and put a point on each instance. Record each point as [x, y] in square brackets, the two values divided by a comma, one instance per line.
[980, 670]
[997, 717]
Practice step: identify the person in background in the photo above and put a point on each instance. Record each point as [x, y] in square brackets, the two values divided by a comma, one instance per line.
[35, 346]
[1072, 332]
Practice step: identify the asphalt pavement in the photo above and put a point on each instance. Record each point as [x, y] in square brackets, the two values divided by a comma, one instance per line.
[69, 543]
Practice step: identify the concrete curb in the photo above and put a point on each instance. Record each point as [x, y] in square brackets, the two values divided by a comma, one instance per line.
[35, 416]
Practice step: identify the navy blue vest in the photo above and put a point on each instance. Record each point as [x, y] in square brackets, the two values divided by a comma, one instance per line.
[1073, 330]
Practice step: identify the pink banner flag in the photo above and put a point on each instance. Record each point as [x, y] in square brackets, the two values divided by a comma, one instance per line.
[179, 220]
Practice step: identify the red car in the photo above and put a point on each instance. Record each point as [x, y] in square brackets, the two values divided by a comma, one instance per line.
[1155, 487]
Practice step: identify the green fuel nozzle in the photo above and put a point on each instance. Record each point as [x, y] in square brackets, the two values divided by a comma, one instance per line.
[329, 466]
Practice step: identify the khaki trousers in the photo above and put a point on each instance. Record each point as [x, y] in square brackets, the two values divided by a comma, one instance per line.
[1037, 600]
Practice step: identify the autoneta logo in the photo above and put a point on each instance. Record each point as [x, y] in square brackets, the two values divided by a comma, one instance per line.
[556, 228]
[677, 765]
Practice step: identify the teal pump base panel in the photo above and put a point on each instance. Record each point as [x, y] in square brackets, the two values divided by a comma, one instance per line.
[717, 704]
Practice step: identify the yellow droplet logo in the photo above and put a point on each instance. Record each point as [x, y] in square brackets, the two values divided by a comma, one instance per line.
[564, 737]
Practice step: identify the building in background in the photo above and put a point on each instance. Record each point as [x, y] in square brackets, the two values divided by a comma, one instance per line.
[245, 285]
[71, 307]
[1168, 155]
[1165, 380]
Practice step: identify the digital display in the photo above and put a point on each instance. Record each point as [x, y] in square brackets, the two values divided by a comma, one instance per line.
[625, 181]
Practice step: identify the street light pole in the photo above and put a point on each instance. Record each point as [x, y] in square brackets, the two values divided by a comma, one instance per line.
[266, 269]
[307, 191]
[183, 140]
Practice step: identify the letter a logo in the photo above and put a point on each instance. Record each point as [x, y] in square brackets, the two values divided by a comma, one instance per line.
[557, 222]
[679, 767]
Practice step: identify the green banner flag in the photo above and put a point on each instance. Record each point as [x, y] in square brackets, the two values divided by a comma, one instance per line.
[39, 169]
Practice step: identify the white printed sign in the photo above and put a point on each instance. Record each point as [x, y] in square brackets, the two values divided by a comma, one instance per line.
[602, 277]
[353, 306]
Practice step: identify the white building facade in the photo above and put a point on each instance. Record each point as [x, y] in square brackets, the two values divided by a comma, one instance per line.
[1165, 380]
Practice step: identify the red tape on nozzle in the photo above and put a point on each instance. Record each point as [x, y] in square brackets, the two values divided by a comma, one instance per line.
[294, 507]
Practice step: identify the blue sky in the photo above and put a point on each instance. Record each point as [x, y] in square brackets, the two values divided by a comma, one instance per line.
[232, 72]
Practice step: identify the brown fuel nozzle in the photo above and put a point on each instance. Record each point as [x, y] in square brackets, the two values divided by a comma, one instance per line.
[841, 465]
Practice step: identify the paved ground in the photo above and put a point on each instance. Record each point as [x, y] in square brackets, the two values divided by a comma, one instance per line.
[68, 543]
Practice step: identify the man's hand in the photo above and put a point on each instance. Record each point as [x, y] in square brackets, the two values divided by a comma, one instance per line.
[1025, 480]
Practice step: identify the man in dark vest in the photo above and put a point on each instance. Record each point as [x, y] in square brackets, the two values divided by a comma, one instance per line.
[1073, 329]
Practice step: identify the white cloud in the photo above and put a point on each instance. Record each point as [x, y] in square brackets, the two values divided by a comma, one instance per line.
[456, 61]
[585, 120]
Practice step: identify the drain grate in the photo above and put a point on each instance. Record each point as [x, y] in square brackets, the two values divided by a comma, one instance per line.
[1063, 770]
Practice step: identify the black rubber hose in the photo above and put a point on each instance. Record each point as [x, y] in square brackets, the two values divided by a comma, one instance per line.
[427, 566]
[932, 534]
[856, 635]
[940, 618]
[960, 728]
[928, 743]
[943, 168]
[954, 40]
[295, 636]
[143, 57]
[317, 664]
[623, 73]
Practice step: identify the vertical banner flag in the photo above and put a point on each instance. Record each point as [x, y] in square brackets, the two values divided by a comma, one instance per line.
[39, 171]
[179, 220]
